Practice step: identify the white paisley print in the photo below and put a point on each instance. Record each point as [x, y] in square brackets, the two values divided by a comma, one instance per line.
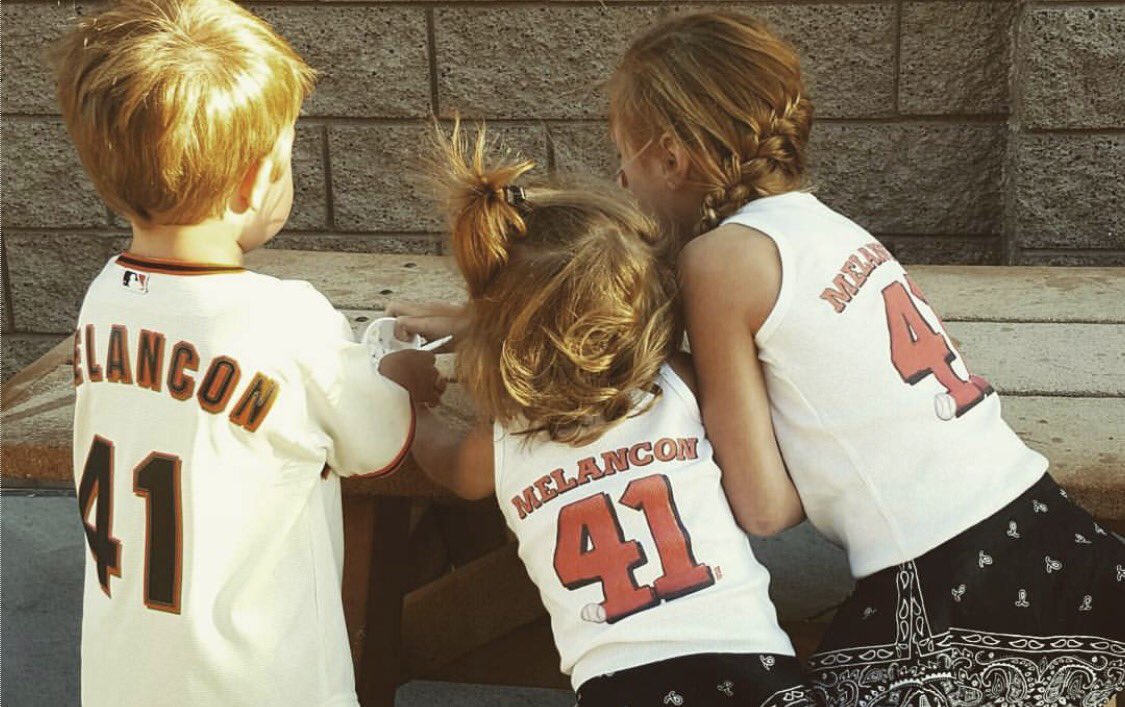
[965, 668]
[791, 697]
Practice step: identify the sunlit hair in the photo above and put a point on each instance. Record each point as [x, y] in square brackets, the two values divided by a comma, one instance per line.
[731, 93]
[170, 102]
[572, 309]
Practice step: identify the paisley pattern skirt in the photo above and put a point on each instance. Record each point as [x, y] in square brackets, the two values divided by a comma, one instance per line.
[1025, 608]
[703, 680]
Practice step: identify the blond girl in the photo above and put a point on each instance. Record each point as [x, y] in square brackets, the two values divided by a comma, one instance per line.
[979, 582]
[594, 446]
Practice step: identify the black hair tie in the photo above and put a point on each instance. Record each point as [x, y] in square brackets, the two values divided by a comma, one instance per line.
[515, 195]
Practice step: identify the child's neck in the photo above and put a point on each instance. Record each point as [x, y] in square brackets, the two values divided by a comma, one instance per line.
[214, 241]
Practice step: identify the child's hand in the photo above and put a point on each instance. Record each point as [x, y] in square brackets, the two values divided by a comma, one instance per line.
[433, 320]
[415, 371]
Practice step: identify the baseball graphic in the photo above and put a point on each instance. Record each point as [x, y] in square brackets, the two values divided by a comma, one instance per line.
[594, 613]
[945, 406]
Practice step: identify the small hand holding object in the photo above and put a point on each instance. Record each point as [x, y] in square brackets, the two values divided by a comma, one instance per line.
[432, 320]
[382, 337]
[414, 370]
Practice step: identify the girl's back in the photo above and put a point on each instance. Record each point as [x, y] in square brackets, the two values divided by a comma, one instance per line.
[595, 448]
[980, 583]
[894, 445]
[632, 543]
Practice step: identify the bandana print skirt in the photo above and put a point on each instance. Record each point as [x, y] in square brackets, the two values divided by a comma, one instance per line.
[1026, 608]
[703, 680]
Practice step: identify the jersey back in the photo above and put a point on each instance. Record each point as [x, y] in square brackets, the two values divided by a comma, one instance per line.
[209, 401]
[632, 543]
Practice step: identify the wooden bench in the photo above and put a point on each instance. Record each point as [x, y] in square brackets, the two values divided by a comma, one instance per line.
[432, 586]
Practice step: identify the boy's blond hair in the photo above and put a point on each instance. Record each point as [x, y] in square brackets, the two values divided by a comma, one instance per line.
[170, 102]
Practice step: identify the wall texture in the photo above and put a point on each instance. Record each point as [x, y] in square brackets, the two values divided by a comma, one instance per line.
[958, 131]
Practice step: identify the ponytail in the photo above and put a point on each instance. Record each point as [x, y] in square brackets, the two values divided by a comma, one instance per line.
[571, 305]
[484, 208]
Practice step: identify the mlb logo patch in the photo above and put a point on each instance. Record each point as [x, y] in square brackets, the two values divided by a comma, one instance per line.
[136, 282]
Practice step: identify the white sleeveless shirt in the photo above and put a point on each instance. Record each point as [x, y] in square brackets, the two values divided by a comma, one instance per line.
[893, 445]
[632, 543]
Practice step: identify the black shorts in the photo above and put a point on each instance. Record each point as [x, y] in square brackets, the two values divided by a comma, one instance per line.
[703, 680]
[1026, 607]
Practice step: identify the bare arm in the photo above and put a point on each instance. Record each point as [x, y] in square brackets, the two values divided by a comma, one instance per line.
[730, 279]
[432, 320]
[459, 460]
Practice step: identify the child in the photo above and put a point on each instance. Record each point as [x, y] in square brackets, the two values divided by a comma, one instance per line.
[210, 398]
[980, 583]
[596, 451]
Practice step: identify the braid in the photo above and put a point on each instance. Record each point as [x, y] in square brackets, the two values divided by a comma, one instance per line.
[771, 161]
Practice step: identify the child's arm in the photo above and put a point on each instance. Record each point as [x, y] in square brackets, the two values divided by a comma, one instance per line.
[362, 420]
[416, 373]
[459, 460]
[730, 279]
[432, 320]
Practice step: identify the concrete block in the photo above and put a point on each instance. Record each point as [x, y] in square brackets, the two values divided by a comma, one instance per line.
[1069, 191]
[1070, 67]
[380, 178]
[912, 178]
[554, 60]
[945, 250]
[846, 50]
[585, 148]
[44, 182]
[29, 29]
[49, 274]
[310, 194]
[531, 61]
[373, 61]
[955, 57]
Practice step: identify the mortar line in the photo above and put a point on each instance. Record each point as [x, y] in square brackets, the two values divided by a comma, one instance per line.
[329, 189]
[431, 48]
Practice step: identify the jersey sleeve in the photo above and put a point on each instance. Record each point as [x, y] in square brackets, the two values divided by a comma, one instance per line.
[367, 419]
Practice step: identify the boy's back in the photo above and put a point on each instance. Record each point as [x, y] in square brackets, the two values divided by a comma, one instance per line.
[208, 402]
[210, 399]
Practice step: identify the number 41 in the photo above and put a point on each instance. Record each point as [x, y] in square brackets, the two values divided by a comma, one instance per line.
[918, 350]
[592, 549]
[157, 480]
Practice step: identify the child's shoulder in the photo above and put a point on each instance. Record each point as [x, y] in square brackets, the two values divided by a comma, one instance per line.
[297, 298]
[298, 310]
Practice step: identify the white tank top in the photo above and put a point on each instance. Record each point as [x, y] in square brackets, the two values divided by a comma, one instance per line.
[632, 543]
[893, 445]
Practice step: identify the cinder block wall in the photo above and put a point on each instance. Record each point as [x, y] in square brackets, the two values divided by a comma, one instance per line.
[958, 131]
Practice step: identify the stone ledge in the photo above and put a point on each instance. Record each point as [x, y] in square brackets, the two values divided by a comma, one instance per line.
[1078, 434]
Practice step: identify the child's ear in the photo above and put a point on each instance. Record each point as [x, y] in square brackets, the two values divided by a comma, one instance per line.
[259, 176]
[675, 162]
[252, 189]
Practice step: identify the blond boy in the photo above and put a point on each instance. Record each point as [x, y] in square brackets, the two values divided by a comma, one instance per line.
[210, 398]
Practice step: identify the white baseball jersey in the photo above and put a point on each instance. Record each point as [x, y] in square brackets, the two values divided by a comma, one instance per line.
[632, 543]
[209, 400]
[894, 446]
